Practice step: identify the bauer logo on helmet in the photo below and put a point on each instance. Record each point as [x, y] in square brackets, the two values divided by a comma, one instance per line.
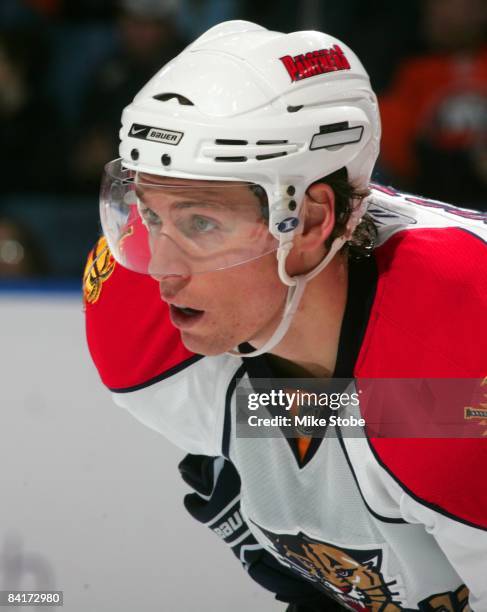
[146, 132]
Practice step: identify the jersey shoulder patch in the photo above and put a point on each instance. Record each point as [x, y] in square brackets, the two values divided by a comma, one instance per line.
[98, 269]
[129, 332]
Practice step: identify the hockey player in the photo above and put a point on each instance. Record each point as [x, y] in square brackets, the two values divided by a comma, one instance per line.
[243, 240]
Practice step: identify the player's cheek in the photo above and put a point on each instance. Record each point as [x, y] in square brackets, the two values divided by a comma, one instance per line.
[248, 292]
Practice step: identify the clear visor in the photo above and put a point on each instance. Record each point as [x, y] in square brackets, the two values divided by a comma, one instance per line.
[168, 226]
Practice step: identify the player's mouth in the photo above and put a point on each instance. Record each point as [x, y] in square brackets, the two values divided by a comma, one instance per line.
[183, 316]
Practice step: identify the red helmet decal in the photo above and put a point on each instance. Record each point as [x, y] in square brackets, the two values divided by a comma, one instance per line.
[310, 64]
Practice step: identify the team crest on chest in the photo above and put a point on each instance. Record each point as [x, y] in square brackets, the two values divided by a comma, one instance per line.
[99, 268]
[355, 577]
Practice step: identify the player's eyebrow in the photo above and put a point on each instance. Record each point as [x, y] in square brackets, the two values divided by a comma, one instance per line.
[198, 203]
[186, 203]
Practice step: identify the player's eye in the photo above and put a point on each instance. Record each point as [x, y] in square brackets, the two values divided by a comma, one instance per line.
[202, 224]
[197, 227]
[150, 218]
[344, 573]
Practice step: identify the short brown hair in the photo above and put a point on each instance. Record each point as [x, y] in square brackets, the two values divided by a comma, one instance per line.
[347, 197]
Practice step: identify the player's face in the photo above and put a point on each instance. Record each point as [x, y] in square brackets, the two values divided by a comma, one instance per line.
[217, 310]
[243, 303]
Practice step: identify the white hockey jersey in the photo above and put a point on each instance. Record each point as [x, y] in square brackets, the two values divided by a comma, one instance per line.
[377, 524]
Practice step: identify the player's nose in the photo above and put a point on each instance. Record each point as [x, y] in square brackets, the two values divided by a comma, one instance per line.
[168, 265]
[170, 285]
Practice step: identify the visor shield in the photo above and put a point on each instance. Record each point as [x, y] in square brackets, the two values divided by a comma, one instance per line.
[168, 226]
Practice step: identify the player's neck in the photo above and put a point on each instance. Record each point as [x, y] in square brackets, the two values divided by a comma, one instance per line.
[311, 344]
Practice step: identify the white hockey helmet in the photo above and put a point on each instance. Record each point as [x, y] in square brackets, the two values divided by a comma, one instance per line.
[246, 104]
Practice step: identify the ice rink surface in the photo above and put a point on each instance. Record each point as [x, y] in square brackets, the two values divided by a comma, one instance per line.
[91, 500]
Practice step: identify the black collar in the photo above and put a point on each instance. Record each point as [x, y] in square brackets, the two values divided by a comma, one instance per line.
[362, 284]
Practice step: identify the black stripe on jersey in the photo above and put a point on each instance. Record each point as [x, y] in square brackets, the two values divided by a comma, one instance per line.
[384, 519]
[166, 374]
[362, 286]
[227, 422]
[261, 367]
[467, 231]
[420, 500]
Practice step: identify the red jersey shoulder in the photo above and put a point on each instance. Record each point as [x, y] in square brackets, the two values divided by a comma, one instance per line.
[430, 303]
[129, 332]
[427, 321]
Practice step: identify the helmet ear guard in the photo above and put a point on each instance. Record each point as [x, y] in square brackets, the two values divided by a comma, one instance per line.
[279, 111]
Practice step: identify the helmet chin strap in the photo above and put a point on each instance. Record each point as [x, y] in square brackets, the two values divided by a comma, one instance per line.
[297, 284]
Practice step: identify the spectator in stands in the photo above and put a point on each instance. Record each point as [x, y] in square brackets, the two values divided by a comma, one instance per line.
[435, 113]
[20, 255]
[148, 38]
[31, 138]
[380, 31]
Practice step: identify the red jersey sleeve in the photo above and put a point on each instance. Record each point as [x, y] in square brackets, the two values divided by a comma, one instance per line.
[129, 333]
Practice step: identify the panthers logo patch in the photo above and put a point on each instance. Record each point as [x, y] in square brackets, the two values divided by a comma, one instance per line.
[355, 578]
[99, 268]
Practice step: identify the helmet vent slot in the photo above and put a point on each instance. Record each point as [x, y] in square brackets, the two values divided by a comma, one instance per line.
[271, 142]
[230, 159]
[294, 109]
[165, 97]
[225, 141]
[271, 155]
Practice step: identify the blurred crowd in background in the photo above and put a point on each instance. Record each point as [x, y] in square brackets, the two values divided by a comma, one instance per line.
[68, 67]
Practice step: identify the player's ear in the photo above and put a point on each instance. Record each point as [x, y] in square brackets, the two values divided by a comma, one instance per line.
[318, 216]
